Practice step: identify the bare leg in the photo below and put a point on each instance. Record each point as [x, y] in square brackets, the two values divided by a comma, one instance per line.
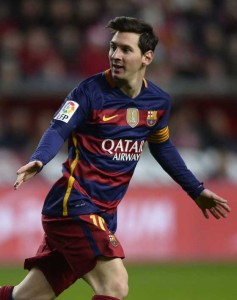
[34, 286]
[109, 278]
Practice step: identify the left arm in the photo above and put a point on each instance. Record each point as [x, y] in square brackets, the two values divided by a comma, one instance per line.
[170, 160]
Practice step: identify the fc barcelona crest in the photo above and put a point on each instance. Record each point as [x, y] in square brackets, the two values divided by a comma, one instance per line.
[132, 117]
[151, 117]
[113, 240]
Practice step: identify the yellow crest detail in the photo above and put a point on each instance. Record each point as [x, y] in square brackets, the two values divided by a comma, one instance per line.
[132, 117]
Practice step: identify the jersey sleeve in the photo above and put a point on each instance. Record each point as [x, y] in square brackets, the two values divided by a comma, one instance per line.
[49, 145]
[161, 133]
[166, 154]
[73, 112]
[170, 160]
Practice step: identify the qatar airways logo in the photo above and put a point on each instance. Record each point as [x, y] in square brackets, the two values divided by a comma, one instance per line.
[126, 150]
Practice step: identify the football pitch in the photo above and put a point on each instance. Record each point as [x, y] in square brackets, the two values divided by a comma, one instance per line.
[205, 281]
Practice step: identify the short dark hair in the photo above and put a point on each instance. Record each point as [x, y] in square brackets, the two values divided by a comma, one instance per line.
[147, 41]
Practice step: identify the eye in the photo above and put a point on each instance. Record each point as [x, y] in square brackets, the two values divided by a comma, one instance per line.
[127, 50]
[113, 47]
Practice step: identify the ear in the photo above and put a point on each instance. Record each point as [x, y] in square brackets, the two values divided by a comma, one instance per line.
[147, 57]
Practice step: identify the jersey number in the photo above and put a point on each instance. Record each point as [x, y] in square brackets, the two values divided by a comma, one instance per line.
[98, 221]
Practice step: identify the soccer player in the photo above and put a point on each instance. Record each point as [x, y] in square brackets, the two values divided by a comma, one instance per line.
[106, 119]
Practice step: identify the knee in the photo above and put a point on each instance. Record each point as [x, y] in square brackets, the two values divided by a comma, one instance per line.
[120, 289]
[116, 287]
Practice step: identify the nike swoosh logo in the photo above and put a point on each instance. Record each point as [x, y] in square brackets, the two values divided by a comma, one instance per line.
[105, 119]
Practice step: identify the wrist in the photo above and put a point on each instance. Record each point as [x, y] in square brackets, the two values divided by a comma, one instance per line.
[194, 193]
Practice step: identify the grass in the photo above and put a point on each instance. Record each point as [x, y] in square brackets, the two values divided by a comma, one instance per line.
[204, 281]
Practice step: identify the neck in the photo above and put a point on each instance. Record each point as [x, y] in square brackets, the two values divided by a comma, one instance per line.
[130, 91]
[131, 88]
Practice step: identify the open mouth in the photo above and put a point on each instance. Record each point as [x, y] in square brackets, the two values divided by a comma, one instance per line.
[117, 68]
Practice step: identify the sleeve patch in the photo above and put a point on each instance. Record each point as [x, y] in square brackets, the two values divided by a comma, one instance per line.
[67, 111]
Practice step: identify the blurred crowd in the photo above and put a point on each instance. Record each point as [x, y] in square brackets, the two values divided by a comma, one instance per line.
[56, 39]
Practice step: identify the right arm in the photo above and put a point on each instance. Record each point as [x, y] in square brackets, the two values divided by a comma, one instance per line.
[48, 147]
[65, 121]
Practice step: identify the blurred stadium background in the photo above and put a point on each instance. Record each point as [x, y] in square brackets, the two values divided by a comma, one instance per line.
[46, 48]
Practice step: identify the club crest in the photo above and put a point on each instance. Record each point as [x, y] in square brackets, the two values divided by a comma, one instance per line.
[132, 117]
[151, 117]
[113, 240]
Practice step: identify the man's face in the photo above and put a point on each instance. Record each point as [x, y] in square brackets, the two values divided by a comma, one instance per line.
[126, 59]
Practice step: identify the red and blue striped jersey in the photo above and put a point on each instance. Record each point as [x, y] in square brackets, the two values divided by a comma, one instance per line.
[106, 132]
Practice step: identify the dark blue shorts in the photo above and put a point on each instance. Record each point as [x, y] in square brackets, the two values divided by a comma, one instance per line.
[70, 248]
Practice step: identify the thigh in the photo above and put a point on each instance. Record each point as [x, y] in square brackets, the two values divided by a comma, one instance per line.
[109, 277]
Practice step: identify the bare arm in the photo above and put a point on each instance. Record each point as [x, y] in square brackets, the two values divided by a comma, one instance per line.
[210, 202]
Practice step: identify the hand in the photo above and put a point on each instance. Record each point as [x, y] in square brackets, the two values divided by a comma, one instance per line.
[209, 201]
[27, 171]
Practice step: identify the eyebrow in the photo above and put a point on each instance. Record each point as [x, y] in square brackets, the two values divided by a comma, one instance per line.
[121, 45]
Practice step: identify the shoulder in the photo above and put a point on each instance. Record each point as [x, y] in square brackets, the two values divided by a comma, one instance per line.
[88, 87]
[155, 89]
[93, 83]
